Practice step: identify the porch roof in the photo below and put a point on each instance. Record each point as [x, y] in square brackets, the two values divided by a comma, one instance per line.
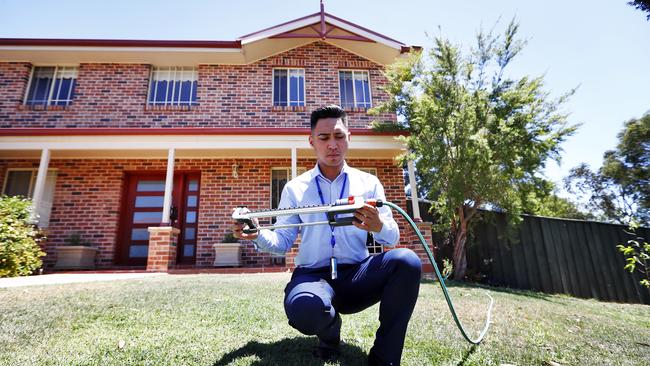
[24, 143]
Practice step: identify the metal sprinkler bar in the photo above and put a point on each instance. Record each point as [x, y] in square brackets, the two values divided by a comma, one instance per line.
[340, 207]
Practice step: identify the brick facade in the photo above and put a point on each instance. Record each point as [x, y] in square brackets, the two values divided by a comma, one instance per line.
[89, 192]
[114, 95]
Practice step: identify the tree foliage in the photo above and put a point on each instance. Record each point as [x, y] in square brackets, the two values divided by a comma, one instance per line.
[478, 138]
[556, 206]
[643, 5]
[620, 190]
[637, 255]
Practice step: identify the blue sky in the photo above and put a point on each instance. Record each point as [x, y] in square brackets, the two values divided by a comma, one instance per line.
[602, 46]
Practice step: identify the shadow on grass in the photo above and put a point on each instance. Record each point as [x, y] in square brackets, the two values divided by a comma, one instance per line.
[290, 351]
[467, 354]
[511, 291]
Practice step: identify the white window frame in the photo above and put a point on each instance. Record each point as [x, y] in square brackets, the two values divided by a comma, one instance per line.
[299, 171]
[58, 69]
[303, 102]
[354, 88]
[375, 248]
[172, 75]
[50, 185]
[32, 180]
[280, 259]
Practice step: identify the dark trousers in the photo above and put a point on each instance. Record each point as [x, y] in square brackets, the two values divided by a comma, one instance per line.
[313, 300]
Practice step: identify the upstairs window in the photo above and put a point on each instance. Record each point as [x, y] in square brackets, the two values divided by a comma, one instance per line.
[288, 87]
[173, 86]
[354, 88]
[51, 85]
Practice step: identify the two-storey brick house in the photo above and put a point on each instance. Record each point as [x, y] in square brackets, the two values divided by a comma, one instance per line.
[122, 141]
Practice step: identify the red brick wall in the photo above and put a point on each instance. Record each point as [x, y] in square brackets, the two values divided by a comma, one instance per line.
[13, 80]
[114, 95]
[89, 192]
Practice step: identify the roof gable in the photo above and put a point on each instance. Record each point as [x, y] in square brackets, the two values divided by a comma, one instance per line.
[324, 26]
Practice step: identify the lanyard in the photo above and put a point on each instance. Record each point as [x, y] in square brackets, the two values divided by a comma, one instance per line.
[322, 201]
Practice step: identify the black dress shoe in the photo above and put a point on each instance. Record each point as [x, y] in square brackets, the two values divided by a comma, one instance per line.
[327, 351]
[374, 361]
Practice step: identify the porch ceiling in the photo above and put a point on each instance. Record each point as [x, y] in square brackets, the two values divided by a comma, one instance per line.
[160, 56]
[187, 146]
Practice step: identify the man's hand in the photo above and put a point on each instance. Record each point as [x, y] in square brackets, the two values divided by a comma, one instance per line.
[368, 219]
[237, 232]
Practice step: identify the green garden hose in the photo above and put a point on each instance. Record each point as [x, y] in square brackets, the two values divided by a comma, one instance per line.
[442, 281]
[346, 206]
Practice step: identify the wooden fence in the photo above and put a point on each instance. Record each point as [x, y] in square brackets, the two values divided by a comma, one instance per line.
[551, 255]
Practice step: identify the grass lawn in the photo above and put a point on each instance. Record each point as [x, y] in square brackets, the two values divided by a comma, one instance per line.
[239, 320]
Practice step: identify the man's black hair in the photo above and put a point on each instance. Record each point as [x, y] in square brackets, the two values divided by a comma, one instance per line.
[330, 111]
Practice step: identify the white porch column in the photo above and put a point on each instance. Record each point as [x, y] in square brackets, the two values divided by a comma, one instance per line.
[37, 198]
[169, 185]
[414, 192]
[294, 162]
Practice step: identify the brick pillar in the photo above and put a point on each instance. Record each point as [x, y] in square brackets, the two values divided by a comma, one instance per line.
[413, 242]
[162, 248]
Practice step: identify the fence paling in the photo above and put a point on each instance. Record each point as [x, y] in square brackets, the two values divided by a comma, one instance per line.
[551, 255]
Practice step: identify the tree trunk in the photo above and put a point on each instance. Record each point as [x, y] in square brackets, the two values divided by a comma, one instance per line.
[460, 261]
[460, 238]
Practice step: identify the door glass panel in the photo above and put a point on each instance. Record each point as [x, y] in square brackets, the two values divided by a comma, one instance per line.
[149, 201]
[138, 251]
[188, 250]
[194, 185]
[147, 217]
[140, 234]
[151, 186]
[190, 217]
[191, 201]
[190, 233]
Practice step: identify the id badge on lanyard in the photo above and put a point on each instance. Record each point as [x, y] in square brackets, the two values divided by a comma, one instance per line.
[333, 260]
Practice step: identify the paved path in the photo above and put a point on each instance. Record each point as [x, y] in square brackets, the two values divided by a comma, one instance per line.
[63, 278]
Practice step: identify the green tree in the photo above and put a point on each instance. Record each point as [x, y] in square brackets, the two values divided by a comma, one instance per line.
[643, 5]
[555, 206]
[478, 138]
[620, 190]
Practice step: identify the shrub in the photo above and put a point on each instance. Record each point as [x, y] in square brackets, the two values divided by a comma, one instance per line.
[637, 255]
[76, 240]
[19, 250]
[229, 238]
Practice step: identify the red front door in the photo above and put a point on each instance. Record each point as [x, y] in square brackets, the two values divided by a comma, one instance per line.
[142, 208]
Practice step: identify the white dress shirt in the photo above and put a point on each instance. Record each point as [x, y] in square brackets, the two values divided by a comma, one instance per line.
[315, 246]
